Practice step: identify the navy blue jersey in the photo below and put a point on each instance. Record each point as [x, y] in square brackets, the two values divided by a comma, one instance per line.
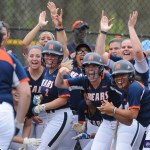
[104, 91]
[49, 91]
[35, 86]
[12, 73]
[75, 95]
[139, 100]
[84, 112]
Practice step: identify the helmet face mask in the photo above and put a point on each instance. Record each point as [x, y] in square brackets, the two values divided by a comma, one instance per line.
[92, 66]
[92, 71]
[124, 71]
[122, 80]
[51, 60]
[52, 54]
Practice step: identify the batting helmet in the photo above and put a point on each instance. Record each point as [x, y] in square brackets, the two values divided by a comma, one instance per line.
[123, 67]
[93, 58]
[53, 47]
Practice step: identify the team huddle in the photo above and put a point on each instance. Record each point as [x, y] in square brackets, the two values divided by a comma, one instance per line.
[74, 92]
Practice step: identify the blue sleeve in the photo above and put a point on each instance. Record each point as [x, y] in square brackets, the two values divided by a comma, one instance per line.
[19, 69]
[76, 83]
[135, 92]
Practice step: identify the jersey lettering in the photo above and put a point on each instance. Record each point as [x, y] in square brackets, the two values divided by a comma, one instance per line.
[74, 74]
[35, 89]
[98, 96]
[47, 83]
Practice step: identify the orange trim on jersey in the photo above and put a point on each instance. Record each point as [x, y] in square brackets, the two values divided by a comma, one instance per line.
[67, 83]
[108, 55]
[64, 96]
[5, 57]
[134, 107]
[25, 80]
[103, 75]
[142, 85]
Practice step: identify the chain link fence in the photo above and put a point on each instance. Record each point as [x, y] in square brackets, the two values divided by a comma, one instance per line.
[22, 16]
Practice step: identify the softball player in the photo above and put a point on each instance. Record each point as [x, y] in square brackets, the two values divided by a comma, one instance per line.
[35, 72]
[75, 95]
[12, 74]
[54, 106]
[98, 87]
[124, 77]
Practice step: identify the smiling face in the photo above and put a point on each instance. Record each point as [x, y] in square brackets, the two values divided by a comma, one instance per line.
[51, 61]
[122, 80]
[80, 53]
[34, 58]
[127, 50]
[45, 37]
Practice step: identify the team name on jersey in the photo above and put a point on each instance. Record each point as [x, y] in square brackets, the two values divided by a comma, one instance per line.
[74, 74]
[98, 96]
[35, 89]
[47, 83]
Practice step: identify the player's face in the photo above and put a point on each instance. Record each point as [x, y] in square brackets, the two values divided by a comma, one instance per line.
[122, 81]
[80, 34]
[5, 36]
[92, 72]
[127, 50]
[44, 38]
[34, 58]
[51, 61]
[114, 48]
[80, 54]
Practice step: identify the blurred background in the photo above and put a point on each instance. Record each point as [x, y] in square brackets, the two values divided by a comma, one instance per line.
[22, 16]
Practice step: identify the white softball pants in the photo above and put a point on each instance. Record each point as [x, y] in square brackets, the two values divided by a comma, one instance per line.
[58, 126]
[7, 127]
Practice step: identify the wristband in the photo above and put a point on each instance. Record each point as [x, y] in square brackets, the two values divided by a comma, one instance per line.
[103, 32]
[39, 26]
[59, 29]
[114, 110]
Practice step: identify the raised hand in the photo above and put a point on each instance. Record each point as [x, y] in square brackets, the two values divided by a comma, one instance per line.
[56, 18]
[52, 8]
[68, 64]
[104, 23]
[64, 71]
[133, 19]
[42, 19]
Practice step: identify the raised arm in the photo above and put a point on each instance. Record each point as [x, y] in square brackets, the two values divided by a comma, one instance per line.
[104, 28]
[32, 34]
[136, 44]
[60, 31]
[60, 82]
